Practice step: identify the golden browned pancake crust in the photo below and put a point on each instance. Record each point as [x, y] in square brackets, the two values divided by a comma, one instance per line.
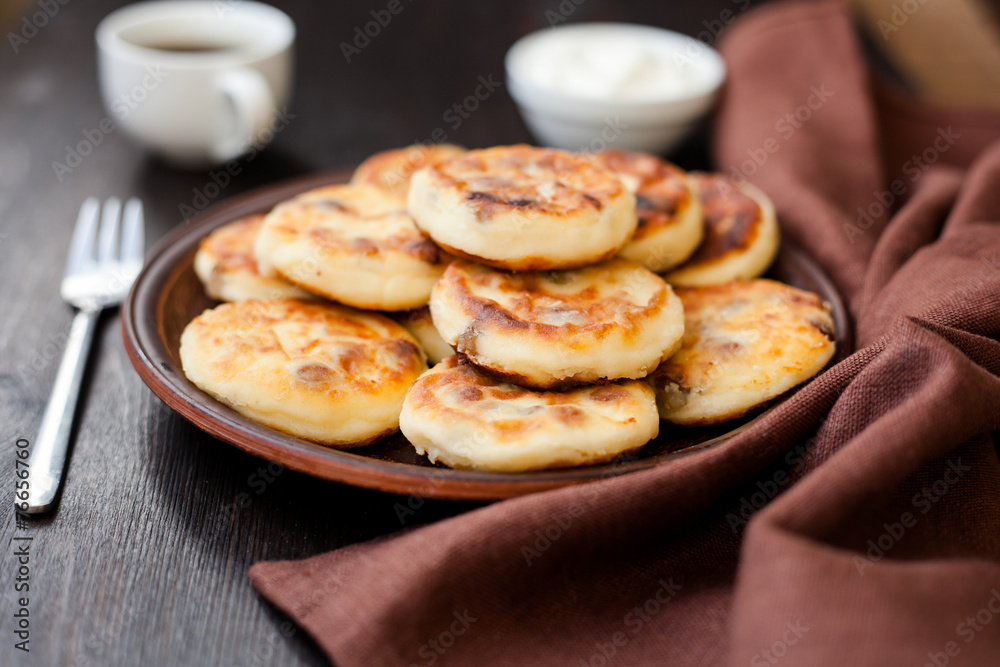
[741, 234]
[733, 219]
[669, 210]
[320, 371]
[352, 244]
[390, 171]
[559, 328]
[421, 326]
[745, 342]
[523, 208]
[463, 417]
[226, 265]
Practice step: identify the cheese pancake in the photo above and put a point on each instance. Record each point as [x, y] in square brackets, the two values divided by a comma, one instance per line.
[669, 210]
[327, 373]
[741, 234]
[420, 325]
[352, 244]
[523, 208]
[226, 266]
[390, 171]
[745, 342]
[463, 417]
[559, 328]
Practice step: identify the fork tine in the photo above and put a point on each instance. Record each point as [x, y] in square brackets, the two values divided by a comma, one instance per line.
[133, 234]
[107, 241]
[81, 247]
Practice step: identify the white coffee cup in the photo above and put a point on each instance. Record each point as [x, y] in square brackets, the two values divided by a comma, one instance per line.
[198, 82]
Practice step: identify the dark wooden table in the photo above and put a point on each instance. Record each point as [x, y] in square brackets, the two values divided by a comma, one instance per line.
[144, 561]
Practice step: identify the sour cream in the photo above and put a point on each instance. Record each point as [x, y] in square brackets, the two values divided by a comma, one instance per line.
[588, 86]
[615, 62]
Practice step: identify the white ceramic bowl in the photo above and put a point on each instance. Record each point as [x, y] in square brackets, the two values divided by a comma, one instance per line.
[653, 119]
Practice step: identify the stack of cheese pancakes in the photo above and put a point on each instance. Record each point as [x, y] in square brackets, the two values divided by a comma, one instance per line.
[570, 302]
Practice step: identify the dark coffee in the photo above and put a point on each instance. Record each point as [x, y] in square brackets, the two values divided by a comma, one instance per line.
[182, 47]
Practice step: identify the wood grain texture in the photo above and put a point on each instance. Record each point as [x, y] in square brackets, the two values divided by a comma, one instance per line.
[144, 562]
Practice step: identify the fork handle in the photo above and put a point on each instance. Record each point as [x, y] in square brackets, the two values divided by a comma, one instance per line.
[48, 455]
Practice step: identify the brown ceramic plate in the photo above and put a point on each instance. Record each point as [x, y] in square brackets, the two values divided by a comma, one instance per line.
[167, 295]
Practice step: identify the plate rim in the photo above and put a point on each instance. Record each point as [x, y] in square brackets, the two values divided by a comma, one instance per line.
[342, 465]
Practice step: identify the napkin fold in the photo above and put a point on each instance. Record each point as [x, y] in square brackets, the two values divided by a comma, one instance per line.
[857, 523]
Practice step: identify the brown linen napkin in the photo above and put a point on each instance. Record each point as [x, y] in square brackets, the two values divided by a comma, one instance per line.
[879, 538]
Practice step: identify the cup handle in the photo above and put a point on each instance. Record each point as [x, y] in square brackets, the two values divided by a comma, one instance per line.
[250, 95]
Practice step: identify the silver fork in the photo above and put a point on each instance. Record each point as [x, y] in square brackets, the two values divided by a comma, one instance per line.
[100, 270]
